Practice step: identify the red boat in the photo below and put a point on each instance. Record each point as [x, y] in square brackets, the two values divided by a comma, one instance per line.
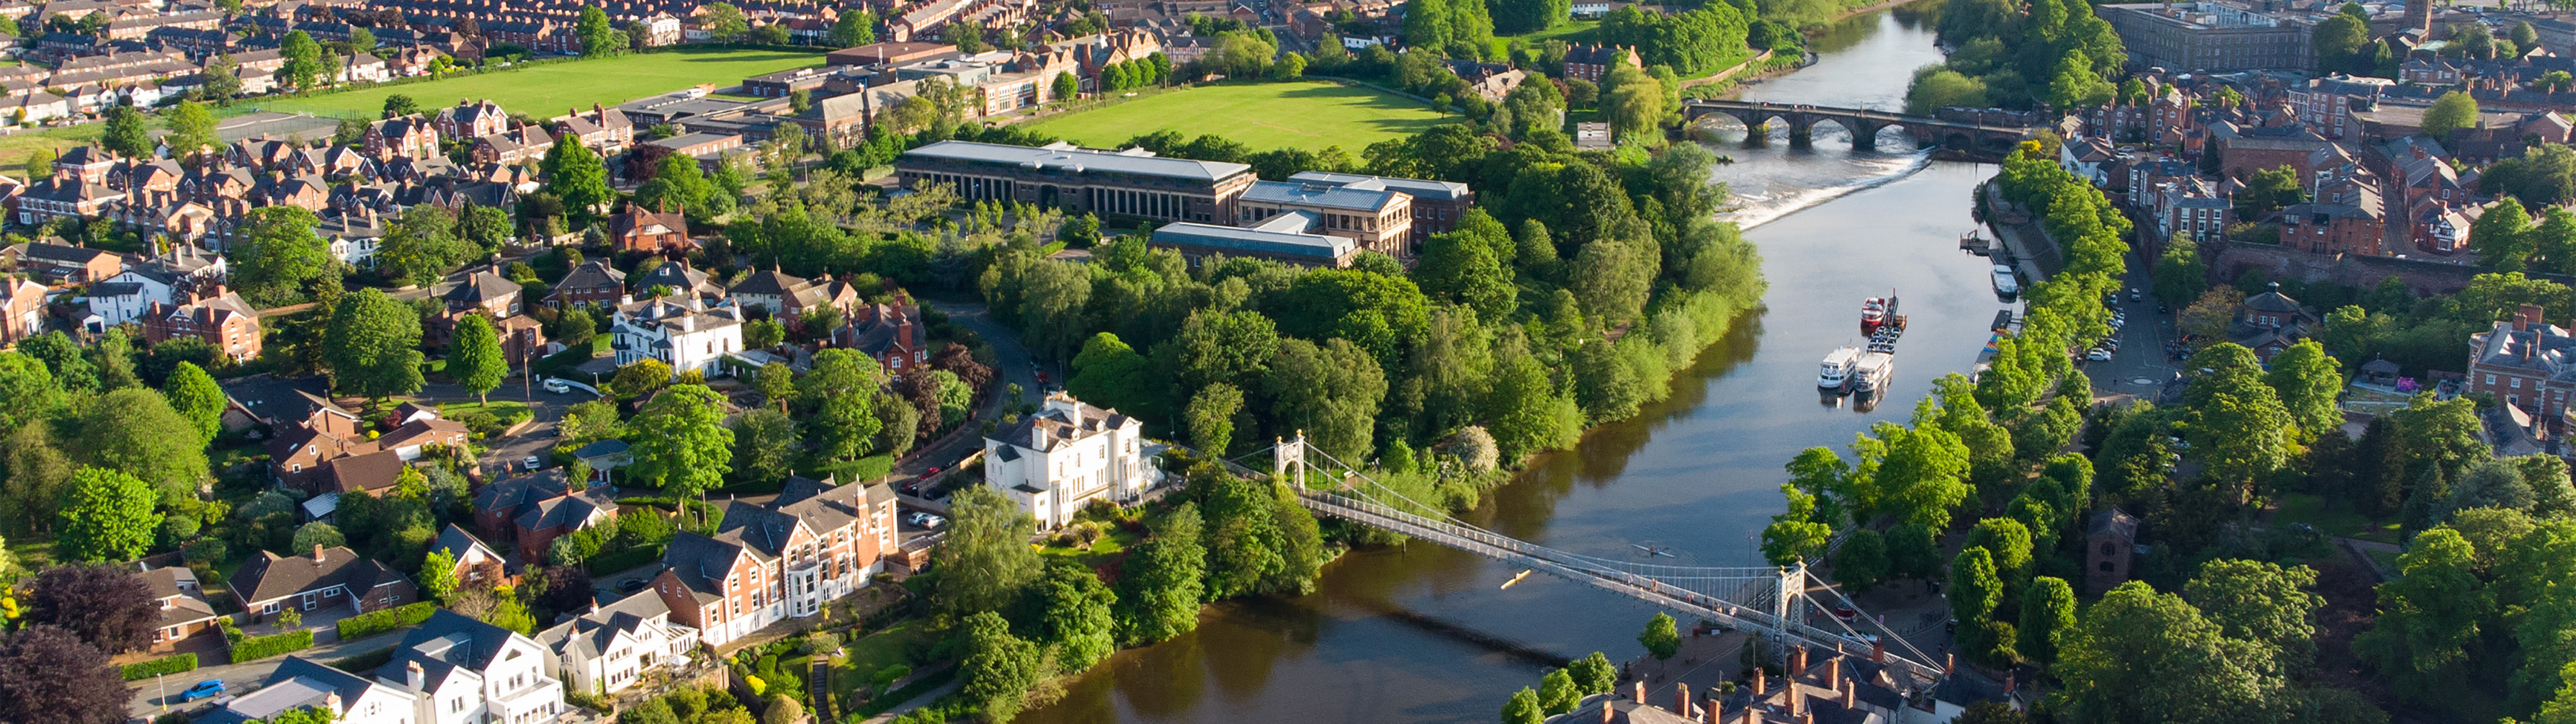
[1875, 312]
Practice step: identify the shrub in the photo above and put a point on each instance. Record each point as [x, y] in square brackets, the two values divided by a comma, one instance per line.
[587, 700]
[376, 622]
[255, 648]
[163, 665]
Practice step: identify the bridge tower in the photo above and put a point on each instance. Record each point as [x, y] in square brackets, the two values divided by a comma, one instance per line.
[1290, 453]
[1793, 579]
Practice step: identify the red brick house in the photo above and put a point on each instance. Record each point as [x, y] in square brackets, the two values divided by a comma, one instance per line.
[814, 543]
[651, 232]
[270, 583]
[22, 310]
[217, 315]
[531, 511]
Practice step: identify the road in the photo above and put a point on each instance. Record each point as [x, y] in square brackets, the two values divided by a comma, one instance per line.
[244, 677]
[2140, 367]
[1012, 363]
[503, 455]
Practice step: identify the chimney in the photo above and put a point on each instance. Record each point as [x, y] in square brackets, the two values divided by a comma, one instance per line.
[1761, 681]
[1681, 700]
[1878, 651]
[1834, 673]
[1605, 708]
[1851, 694]
[1797, 700]
[1637, 692]
[331, 701]
[1716, 710]
[1797, 661]
[317, 552]
[2531, 315]
[1949, 664]
[413, 675]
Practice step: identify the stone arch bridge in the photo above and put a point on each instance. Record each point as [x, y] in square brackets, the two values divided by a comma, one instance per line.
[1863, 124]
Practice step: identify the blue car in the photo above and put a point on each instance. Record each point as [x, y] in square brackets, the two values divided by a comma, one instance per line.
[204, 689]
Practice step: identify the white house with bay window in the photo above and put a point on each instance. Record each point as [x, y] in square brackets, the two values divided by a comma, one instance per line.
[450, 670]
[686, 336]
[612, 647]
[1065, 457]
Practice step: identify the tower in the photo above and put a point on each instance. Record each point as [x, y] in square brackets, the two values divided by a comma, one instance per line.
[2419, 16]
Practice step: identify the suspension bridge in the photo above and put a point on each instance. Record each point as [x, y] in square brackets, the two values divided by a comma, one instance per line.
[1785, 605]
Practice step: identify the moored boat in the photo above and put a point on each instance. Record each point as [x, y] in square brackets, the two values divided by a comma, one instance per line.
[1835, 373]
[1872, 370]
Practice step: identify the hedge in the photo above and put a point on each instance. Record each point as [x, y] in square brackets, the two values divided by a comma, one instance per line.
[376, 622]
[260, 647]
[614, 561]
[163, 665]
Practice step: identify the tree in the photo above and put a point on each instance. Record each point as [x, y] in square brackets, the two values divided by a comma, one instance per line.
[2428, 616]
[474, 356]
[2454, 110]
[276, 256]
[1211, 416]
[1066, 86]
[2077, 84]
[854, 28]
[1660, 638]
[639, 378]
[106, 605]
[317, 534]
[192, 129]
[1523, 708]
[2267, 191]
[1163, 580]
[968, 37]
[2307, 381]
[304, 67]
[998, 668]
[48, 676]
[1329, 390]
[575, 174]
[680, 443]
[1080, 628]
[2261, 602]
[125, 134]
[195, 396]
[782, 708]
[2047, 614]
[2140, 656]
[2503, 236]
[134, 431]
[1111, 374]
[106, 516]
[842, 387]
[1557, 693]
[2007, 545]
[777, 384]
[2180, 277]
[2337, 39]
[1974, 592]
[438, 575]
[1861, 562]
[422, 246]
[987, 558]
[599, 39]
[398, 105]
[1634, 101]
[372, 345]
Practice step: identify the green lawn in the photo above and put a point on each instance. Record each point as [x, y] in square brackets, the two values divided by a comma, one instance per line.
[15, 148]
[1571, 31]
[547, 90]
[2333, 520]
[1311, 115]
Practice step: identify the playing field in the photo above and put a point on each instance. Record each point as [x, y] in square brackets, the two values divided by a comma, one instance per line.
[546, 90]
[1261, 115]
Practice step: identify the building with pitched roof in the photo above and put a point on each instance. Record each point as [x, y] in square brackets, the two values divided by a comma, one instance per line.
[1379, 219]
[334, 576]
[458, 670]
[475, 563]
[686, 336]
[22, 310]
[301, 683]
[2270, 322]
[1065, 457]
[184, 610]
[889, 333]
[2527, 363]
[649, 232]
[531, 511]
[594, 283]
[786, 296]
[1437, 205]
[613, 646]
[817, 541]
[213, 313]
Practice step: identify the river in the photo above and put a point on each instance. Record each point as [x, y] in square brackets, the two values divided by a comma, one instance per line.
[1421, 635]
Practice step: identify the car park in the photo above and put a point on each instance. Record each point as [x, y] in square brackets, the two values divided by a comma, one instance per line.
[203, 689]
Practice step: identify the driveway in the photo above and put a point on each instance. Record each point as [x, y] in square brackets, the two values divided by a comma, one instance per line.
[503, 454]
[1012, 366]
[244, 677]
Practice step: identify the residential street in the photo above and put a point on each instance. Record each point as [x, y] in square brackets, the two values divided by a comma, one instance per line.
[1013, 363]
[242, 678]
[503, 455]
[2140, 367]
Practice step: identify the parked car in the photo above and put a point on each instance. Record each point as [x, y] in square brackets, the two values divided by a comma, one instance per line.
[557, 387]
[2098, 355]
[204, 689]
[2134, 295]
[532, 462]
[932, 472]
[633, 585]
[925, 521]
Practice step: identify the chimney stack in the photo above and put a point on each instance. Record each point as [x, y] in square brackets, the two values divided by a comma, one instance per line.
[1681, 700]
[317, 552]
[1761, 681]
[331, 701]
[1797, 661]
[413, 675]
[1637, 692]
[1834, 673]
[1851, 695]
[1949, 664]
[1606, 701]
[1716, 710]
[1878, 651]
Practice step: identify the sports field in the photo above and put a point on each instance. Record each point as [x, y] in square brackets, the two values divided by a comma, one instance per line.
[546, 90]
[1261, 115]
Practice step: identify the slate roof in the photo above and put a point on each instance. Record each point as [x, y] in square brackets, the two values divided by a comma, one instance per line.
[1078, 160]
[456, 541]
[592, 633]
[297, 683]
[482, 286]
[521, 490]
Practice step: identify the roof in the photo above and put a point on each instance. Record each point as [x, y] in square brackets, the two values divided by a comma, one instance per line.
[482, 286]
[447, 642]
[2114, 521]
[270, 576]
[514, 492]
[1063, 422]
[592, 633]
[1326, 196]
[1318, 246]
[1078, 160]
[369, 472]
[1419, 188]
[297, 683]
[270, 398]
[457, 542]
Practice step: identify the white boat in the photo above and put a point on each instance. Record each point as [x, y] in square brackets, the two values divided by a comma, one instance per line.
[2007, 284]
[1872, 370]
[1836, 371]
